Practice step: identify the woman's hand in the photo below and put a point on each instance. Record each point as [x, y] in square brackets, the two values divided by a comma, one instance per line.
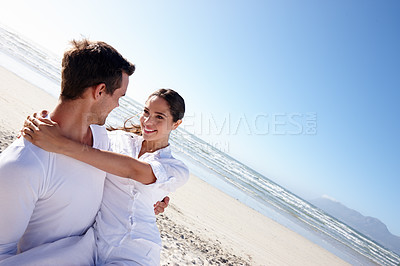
[160, 206]
[44, 133]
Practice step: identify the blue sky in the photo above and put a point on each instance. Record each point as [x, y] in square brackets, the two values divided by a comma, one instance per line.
[304, 92]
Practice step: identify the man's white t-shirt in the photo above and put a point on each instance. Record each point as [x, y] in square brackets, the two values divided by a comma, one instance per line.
[46, 196]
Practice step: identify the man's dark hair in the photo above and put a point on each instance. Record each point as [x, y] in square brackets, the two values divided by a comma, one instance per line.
[89, 64]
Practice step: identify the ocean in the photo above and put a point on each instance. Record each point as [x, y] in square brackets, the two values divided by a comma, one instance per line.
[43, 69]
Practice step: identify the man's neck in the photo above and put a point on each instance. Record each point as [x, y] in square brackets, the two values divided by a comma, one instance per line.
[73, 119]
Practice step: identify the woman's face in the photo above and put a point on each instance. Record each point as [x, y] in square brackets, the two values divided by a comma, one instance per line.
[156, 120]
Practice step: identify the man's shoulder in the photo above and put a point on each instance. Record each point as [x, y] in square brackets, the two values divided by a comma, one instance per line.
[23, 154]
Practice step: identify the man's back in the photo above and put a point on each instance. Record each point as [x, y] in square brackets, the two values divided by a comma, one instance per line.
[45, 196]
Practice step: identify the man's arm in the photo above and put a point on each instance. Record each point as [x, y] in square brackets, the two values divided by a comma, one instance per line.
[19, 189]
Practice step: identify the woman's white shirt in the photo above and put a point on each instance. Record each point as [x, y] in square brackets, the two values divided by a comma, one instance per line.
[127, 209]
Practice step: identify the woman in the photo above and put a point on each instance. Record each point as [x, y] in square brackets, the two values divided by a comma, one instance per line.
[141, 171]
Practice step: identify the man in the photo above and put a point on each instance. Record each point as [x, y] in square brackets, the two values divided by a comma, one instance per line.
[46, 197]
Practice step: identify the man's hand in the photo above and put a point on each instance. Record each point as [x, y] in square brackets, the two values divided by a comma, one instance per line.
[160, 206]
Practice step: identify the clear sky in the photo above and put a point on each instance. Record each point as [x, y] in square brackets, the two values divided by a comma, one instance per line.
[304, 92]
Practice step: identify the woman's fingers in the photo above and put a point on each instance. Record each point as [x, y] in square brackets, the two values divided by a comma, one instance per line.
[35, 128]
[44, 113]
[46, 121]
[29, 120]
[37, 121]
[34, 124]
[31, 125]
[26, 133]
[32, 128]
[36, 118]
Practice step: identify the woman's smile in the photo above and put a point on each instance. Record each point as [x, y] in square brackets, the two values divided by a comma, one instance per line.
[148, 131]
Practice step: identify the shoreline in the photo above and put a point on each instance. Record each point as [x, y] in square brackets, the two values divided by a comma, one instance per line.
[202, 225]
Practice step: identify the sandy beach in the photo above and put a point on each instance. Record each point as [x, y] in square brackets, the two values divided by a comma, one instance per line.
[202, 225]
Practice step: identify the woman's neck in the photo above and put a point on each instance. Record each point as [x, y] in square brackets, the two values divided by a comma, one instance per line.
[152, 146]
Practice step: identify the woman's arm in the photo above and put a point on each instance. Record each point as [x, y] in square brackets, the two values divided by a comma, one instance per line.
[111, 162]
[46, 134]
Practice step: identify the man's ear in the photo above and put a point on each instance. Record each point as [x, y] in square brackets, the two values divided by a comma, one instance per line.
[176, 124]
[99, 90]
